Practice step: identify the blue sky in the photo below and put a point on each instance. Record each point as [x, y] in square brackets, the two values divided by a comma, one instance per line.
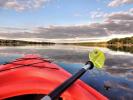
[65, 16]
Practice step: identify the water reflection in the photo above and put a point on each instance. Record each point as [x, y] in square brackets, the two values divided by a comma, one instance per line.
[115, 81]
[122, 48]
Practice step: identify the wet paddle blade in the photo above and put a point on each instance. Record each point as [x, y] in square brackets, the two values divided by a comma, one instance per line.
[97, 57]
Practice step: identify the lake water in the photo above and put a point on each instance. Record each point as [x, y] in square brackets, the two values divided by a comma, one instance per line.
[115, 81]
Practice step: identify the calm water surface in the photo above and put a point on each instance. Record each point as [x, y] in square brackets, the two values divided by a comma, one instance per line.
[115, 81]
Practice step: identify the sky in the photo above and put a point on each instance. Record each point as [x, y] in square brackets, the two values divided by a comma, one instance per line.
[66, 20]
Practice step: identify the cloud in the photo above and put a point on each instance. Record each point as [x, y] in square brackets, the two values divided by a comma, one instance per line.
[121, 16]
[131, 10]
[97, 14]
[54, 32]
[116, 3]
[119, 23]
[20, 5]
[115, 25]
[116, 22]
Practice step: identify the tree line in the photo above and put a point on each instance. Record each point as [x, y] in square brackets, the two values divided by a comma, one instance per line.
[121, 41]
[21, 43]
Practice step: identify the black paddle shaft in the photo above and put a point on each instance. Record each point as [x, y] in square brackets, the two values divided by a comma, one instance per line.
[60, 89]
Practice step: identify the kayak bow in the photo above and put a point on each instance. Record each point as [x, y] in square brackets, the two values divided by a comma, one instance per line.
[35, 75]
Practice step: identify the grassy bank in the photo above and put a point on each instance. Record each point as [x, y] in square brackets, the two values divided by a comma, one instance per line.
[116, 42]
[100, 44]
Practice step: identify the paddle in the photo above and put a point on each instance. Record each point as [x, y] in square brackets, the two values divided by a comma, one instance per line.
[97, 59]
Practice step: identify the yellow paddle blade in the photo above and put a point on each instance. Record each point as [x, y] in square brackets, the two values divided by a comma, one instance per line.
[97, 57]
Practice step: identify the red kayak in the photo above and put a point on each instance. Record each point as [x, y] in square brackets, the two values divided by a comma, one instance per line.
[33, 76]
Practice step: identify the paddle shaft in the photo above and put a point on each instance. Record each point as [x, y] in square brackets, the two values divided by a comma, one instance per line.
[60, 89]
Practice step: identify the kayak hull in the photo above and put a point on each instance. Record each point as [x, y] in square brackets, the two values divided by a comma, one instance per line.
[35, 75]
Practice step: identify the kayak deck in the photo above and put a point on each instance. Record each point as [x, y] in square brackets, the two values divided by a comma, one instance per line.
[35, 75]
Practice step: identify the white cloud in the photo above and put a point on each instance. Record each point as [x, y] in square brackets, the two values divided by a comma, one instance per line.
[131, 10]
[97, 14]
[117, 24]
[20, 5]
[120, 16]
[116, 3]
